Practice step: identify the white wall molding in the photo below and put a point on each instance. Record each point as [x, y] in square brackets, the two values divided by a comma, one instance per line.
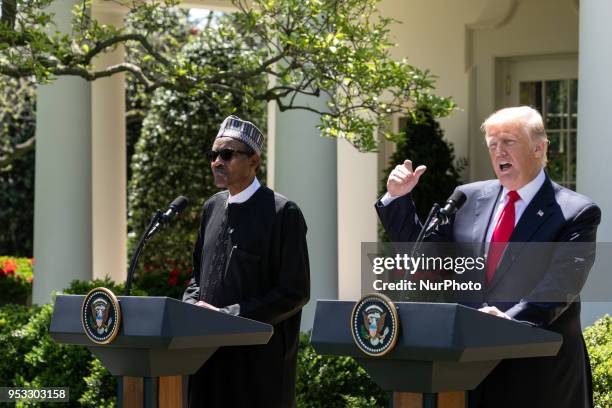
[494, 15]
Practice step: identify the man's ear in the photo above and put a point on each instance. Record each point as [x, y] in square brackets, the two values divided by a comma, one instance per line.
[540, 147]
[254, 161]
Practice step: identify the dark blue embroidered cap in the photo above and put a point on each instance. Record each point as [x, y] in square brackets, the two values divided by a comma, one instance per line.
[242, 130]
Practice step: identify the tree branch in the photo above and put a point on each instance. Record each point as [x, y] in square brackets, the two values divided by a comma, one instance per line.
[121, 39]
[9, 13]
[17, 151]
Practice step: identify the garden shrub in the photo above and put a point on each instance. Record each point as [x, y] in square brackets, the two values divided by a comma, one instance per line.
[154, 283]
[424, 143]
[12, 350]
[30, 358]
[79, 287]
[333, 381]
[101, 387]
[46, 363]
[17, 125]
[159, 282]
[598, 339]
[15, 280]
[33, 359]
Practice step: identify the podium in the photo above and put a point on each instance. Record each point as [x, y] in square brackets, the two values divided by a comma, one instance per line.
[443, 349]
[160, 339]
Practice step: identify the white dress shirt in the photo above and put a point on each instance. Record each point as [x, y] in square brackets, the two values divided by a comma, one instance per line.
[387, 199]
[245, 194]
[527, 192]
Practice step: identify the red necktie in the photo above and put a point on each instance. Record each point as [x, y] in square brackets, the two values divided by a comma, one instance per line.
[501, 234]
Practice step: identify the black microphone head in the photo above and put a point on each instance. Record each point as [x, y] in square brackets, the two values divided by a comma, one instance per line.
[454, 202]
[179, 203]
[458, 197]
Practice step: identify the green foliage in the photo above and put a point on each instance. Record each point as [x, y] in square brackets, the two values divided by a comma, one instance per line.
[337, 49]
[17, 207]
[29, 357]
[598, 339]
[12, 350]
[423, 143]
[17, 125]
[78, 287]
[172, 27]
[152, 283]
[47, 363]
[15, 279]
[333, 382]
[161, 282]
[170, 161]
[101, 387]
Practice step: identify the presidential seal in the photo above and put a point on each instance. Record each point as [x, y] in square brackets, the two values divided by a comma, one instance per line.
[101, 315]
[375, 324]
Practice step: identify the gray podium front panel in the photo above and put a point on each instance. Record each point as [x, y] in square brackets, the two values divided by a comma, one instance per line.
[441, 346]
[159, 336]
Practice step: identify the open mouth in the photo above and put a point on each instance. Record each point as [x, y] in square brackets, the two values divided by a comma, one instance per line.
[504, 166]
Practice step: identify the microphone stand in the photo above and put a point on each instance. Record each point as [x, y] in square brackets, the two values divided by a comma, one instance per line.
[143, 240]
[423, 234]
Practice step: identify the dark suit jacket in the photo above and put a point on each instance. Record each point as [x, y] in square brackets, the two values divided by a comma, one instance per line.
[537, 284]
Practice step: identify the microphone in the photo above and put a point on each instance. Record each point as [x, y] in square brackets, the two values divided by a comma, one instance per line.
[438, 216]
[174, 208]
[155, 225]
[454, 203]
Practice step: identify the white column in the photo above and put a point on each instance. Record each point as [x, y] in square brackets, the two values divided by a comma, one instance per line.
[305, 171]
[62, 206]
[109, 202]
[357, 221]
[594, 120]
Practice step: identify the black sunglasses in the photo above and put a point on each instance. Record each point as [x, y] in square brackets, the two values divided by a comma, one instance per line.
[225, 154]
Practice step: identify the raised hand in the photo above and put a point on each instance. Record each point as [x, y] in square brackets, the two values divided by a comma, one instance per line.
[403, 179]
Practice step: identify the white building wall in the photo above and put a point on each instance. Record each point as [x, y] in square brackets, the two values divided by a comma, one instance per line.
[595, 128]
[531, 28]
[431, 35]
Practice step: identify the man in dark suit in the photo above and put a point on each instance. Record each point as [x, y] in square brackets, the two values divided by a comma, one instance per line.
[521, 205]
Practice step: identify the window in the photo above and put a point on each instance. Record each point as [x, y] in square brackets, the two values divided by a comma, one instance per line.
[557, 101]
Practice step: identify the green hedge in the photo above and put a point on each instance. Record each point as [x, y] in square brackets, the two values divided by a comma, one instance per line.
[424, 143]
[30, 358]
[598, 339]
[333, 382]
[16, 276]
[15, 280]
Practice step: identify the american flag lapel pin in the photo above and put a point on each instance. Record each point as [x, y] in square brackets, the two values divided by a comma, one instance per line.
[540, 213]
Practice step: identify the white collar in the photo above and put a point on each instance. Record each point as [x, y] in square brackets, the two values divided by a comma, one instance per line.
[245, 194]
[529, 190]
